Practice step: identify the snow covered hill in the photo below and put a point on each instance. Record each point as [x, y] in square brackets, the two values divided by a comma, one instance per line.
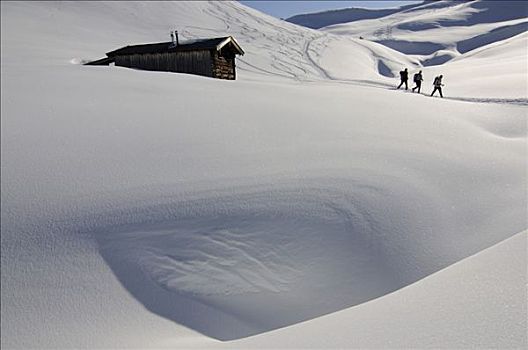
[157, 210]
[327, 18]
[433, 32]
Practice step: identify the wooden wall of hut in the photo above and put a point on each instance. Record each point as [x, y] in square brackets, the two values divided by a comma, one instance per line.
[224, 66]
[194, 62]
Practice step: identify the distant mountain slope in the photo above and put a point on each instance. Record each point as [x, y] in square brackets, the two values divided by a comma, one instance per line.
[480, 11]
[485, 12]
[480, 71]
[327, 18]
[437, 32]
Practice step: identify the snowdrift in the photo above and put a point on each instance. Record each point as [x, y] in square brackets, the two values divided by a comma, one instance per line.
[134, 202]
[441, 323]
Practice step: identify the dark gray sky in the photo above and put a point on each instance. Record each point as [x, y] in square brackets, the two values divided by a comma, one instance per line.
[285, 9]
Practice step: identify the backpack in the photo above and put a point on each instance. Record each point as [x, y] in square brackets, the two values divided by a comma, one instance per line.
[416, 77]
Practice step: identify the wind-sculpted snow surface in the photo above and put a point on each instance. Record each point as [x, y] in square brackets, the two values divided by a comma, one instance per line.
[433, 306]
[134, 202]
[268, 256]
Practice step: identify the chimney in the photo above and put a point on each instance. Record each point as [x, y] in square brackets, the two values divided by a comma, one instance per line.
[174, 38]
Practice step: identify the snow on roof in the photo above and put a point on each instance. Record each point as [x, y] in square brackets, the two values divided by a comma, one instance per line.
[188, 45]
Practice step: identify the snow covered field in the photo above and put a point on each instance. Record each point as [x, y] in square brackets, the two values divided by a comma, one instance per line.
[156, 210]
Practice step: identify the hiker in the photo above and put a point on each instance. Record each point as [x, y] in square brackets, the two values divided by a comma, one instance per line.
[418, 78]
[404, 76]
[438, 85]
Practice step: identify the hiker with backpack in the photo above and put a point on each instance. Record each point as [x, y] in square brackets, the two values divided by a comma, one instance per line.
[418, 78]
[404, 76]
[437, 83]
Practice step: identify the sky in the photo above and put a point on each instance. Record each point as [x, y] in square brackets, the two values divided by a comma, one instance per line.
[285, 9]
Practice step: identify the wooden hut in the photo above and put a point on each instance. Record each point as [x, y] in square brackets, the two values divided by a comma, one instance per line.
[208, 57]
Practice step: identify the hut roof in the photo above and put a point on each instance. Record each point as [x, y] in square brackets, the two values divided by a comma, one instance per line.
[200, 44]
